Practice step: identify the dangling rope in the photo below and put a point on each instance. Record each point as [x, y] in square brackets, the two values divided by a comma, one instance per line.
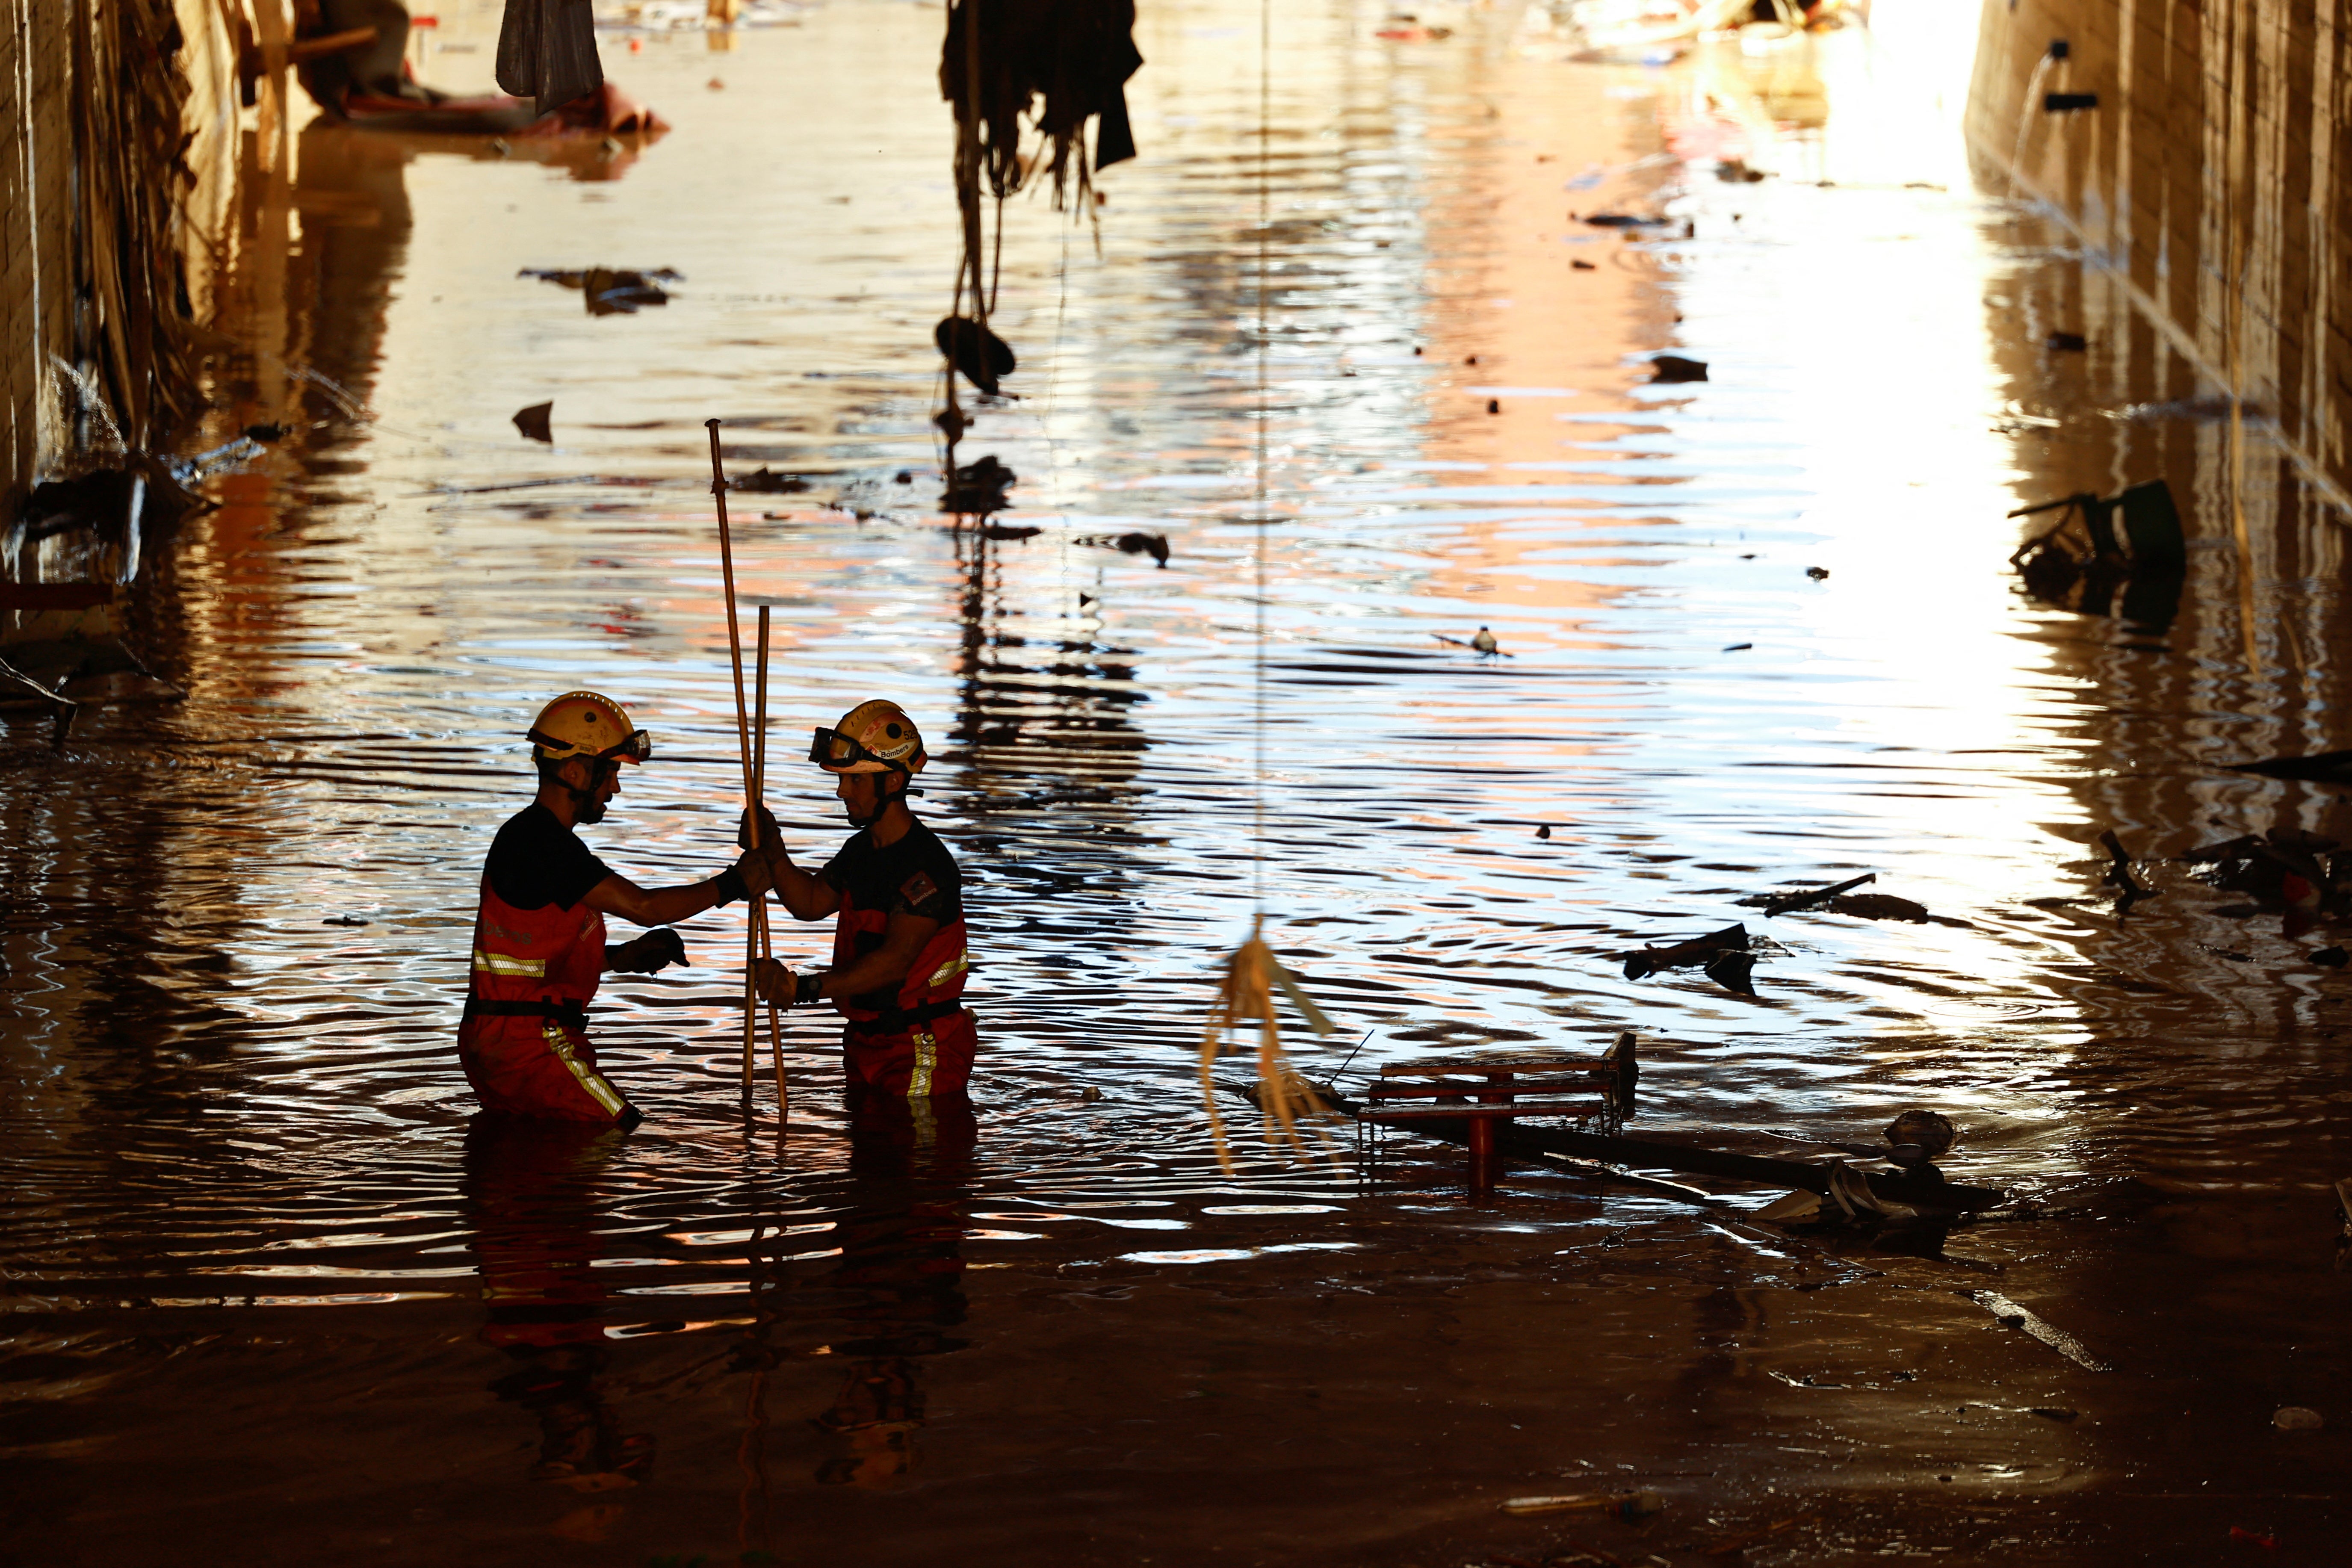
[1253, 974]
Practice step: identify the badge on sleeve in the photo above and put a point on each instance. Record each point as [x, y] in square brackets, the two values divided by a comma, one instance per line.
[917, 890]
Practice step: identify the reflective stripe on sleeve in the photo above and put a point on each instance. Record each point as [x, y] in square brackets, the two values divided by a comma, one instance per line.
[501, 964]
[950, 969]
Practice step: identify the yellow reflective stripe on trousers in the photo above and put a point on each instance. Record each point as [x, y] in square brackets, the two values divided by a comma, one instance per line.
[927, 1061]
[501, 964]
[950, 969]
[590, 1079]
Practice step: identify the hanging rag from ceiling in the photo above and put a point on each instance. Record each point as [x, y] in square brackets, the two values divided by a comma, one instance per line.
[547, 51]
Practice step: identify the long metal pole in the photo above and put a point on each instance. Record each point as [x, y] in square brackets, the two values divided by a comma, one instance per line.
[743, 720]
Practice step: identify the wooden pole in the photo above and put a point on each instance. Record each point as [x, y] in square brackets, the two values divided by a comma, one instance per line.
[759, 937]
[743, 720]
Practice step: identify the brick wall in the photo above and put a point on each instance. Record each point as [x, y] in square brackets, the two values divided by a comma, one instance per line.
[2210, 185]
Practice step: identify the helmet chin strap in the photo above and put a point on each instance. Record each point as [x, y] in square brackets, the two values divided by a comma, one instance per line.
[876, 816]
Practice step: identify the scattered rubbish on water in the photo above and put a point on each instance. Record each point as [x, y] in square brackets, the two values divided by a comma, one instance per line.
[2285, 869]
[1090, 1094]
[984, 358]
[1735, 172]
[977, 488]
[2067, 342]
[1917, 1136]
[1152, 544]
[764, 480]
[1006, 531]
[343, 921]
[264, 433]
[2118, 874]
[1616, 1505]
[2052, 1411]
[1674, 368]
[1621, 220]
[1818, 574]
[2329, 957]
[2014, 1316]
[1582, 266]
[1482, 643]
[2079, 564]
[2267, 1540]
[1805, 898]
[1493, 405]
[1544, 831]
[611, 290]
[1738, 646]
[532, 422]
[1723, 955]
[2298, 1418]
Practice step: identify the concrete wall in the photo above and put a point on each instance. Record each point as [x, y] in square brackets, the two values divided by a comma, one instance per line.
[107, 243]
[2212, 186]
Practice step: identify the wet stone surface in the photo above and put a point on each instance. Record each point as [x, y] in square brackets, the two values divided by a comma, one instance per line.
[272, 1293]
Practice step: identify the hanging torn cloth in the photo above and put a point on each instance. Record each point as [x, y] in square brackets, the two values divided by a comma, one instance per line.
[1074, 54]
[547, 52]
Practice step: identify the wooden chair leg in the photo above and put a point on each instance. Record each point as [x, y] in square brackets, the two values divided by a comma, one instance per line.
[1481, 1159]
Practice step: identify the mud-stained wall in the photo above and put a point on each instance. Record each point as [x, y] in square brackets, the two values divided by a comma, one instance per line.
[2197, 147]
[120, 117]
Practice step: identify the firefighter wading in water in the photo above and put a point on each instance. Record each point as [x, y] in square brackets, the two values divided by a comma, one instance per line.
[539, 935]
[899, 955]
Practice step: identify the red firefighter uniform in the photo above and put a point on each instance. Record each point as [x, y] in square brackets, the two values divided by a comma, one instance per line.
[913, 1040]
[524, 1041]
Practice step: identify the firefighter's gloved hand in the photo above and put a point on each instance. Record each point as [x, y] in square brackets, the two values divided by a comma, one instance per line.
[777, 982]
[648, 954]
[758, 876]
[783, 987]
[771, 835]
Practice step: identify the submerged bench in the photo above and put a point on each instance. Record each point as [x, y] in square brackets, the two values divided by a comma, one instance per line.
[1491, 1087]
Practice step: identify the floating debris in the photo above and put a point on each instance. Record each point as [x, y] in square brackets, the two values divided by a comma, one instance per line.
[2118, 874]
[764, 480]
[2298, 1419]
[2057, 1338]
[1723, 955]
[977, 488]
[1805, 898]
[611, 290]
[984, 358]
[1482, 643]
[2324, 768]
[1615, 1505]
[1623, 220]
[532, 422]
[1818, 574]
[1673, 368]
[2080, 563]
[2067, 342]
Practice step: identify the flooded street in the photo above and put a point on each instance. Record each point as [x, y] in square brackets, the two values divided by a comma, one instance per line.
[275, 1294]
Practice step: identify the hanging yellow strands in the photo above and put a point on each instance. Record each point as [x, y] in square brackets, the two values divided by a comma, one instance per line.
[1252, 976]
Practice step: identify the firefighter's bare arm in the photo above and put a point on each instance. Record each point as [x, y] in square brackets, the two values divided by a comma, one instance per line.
[806, 895]
[616, 895]
[902, 938]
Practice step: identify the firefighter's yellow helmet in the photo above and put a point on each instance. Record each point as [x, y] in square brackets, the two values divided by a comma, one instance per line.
[873, 737]
[587, 725]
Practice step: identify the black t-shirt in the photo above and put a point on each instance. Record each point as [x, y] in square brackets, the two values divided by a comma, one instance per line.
[536, 861]
[917, 874]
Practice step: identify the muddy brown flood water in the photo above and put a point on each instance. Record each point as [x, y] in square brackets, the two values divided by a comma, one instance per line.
[272, 1297]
